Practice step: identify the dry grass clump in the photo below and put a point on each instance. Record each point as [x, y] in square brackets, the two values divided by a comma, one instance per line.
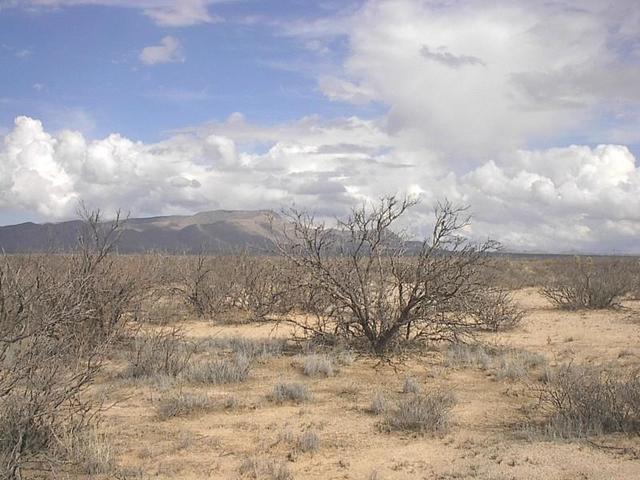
[474, 355]
[424, 413]
[263, 469]
[90, 451]
[291, 391]
[411, 385]
[309, 441]
[379, 403]
[219, 371]
[503, 363]
[249, 347]
[579, 401]
[163, 352]
[182, 404]
[317, 366]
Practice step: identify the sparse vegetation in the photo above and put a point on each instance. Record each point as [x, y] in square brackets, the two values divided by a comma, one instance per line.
[588, 283]
[154, 353]
[379, 403]
[411, 385]
[219, 371]
[579, 401]
[368, 287]
[258, 468]
[180, 404]
[317, 365]
[309, 441]
[295, 392]
[424, 413]
[160, 352]
[249, 347]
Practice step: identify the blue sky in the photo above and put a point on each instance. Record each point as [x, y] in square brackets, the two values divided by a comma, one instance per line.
[83, 62]
[527, 111]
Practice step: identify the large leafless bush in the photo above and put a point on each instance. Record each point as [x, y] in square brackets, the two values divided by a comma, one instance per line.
[58, 317]
[374, 286]
[591, 283]
[579, 401]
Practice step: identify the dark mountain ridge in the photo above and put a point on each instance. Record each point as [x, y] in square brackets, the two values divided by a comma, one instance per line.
[214, 231]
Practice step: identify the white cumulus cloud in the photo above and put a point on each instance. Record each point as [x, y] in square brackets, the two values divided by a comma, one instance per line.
[169, 50]
[559, 199]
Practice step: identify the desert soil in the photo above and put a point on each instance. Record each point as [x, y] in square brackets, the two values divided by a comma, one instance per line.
[485, 441]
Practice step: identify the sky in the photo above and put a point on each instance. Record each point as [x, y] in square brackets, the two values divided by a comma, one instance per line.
[526, 111]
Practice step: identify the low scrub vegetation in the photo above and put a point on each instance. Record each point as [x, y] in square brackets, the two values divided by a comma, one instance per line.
[291, 391]
[180, 404]
[219, 371]
[579, 401]
[309, 441]
[264, 469]
[159, 352]
[379, 403]
[249, 347]
[588, 283]
[317, 366]
[424, 413]
[503, 363]
[59, 318]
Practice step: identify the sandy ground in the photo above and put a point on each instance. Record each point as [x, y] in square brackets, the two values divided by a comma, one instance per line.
[483, 442]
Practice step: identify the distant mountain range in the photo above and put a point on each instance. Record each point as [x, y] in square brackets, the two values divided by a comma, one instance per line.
[215, 231]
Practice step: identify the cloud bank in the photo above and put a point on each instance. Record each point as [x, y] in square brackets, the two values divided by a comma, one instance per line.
[555, 199]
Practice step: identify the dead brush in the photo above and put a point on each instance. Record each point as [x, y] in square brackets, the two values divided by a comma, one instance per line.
[249, 347]
[182, 404]
[161, 352]
[309, 442]
[588, 283]
[423, 413]
[264, 469]
[379, 403]
[59, 318]
[317, 366]
[219, 371]
[291, 391]
[580, 401]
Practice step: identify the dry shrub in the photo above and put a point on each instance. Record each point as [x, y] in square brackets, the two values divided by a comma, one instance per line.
[220, 371]
[160, 352]
[291, 391]
[379, 403]
[495, 310]
[309, 441]
[182, 404]
[411, 385]
[376, 290]
[473, 355]
[591, 283]
[264, 469]
[59, 317]
[90, 451]
[317, 366]
[235, 287]
[249, 347]
[504, 363]
[579, 401]
[424, 413]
